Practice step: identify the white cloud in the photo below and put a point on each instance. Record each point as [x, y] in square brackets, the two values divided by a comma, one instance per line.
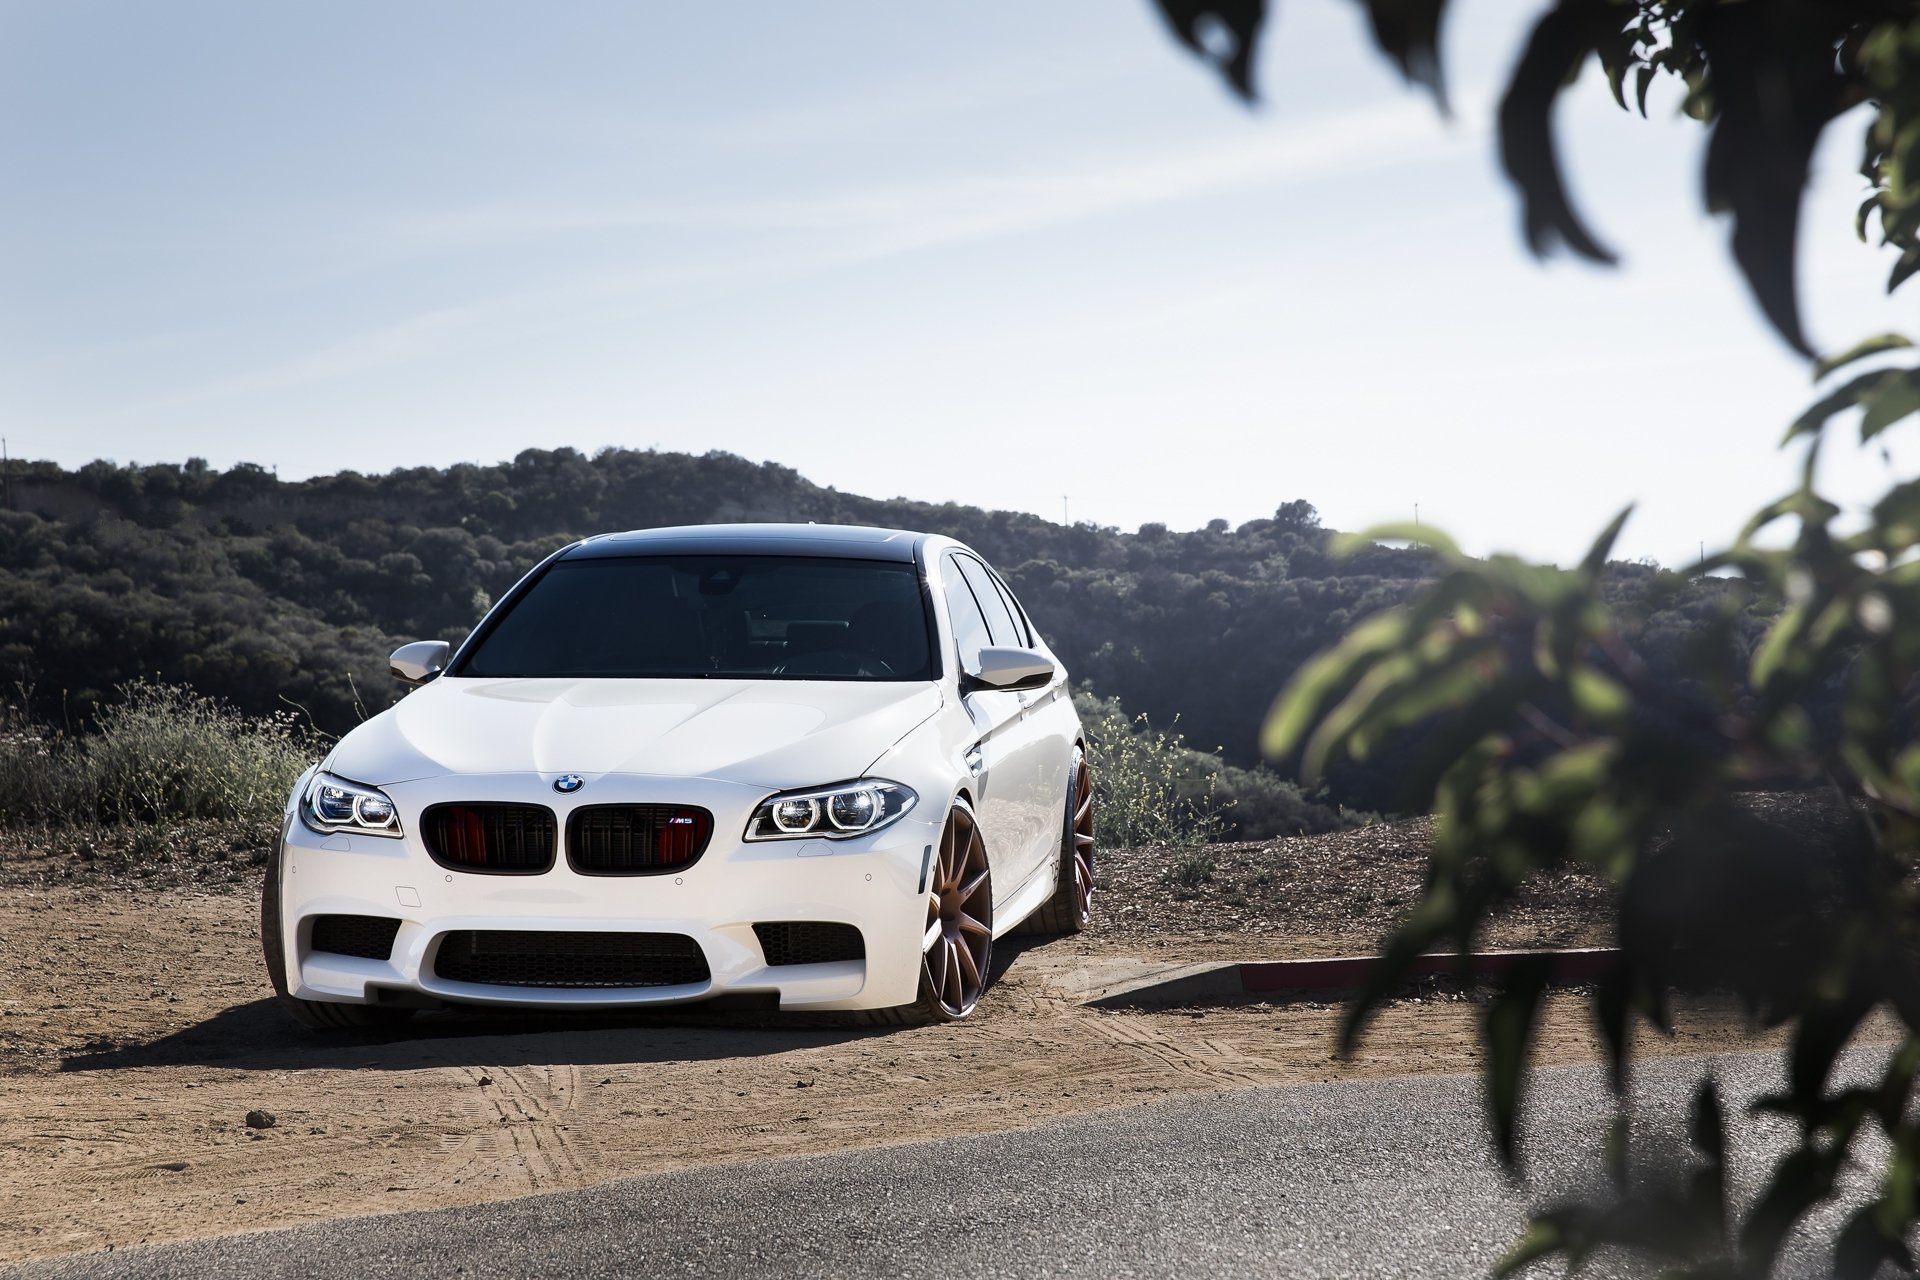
[917, 214]
[840, 229]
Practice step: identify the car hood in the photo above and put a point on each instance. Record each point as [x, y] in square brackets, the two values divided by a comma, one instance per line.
[775, 734]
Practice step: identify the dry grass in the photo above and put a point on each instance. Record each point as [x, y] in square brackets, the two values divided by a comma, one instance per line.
[163, 754]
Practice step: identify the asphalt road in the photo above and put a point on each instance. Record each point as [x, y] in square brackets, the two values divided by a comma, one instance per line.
[1390, 1178]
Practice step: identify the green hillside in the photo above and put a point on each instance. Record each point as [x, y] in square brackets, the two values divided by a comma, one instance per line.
[268, 593]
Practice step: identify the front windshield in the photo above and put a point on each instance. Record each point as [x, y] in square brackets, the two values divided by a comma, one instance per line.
[752, 617]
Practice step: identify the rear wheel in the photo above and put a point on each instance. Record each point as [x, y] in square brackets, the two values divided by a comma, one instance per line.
[317, 1014]
[1070, 909]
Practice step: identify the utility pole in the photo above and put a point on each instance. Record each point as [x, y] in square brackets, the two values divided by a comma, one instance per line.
[1416, 513]
[6, 475]
[1063, 510]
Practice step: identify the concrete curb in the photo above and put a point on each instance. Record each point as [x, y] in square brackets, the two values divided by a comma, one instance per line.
[1200, 983]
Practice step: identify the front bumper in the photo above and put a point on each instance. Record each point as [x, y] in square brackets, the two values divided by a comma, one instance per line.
[873, 883]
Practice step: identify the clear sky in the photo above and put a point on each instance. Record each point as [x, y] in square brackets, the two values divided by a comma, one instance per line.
[997, 252]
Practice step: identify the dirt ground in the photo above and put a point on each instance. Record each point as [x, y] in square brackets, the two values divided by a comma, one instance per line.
[137, 1032]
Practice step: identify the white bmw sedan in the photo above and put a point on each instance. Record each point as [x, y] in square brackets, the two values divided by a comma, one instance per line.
[794, 766]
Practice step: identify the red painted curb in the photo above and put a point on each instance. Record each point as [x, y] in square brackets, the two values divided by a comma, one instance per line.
[1583, 965]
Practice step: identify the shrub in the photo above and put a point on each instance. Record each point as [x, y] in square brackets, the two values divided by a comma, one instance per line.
[1149, 788]
[1259, 804]
[161, 753]
[1152, 789]
[1193, 870]
[42, 778]
[167, 752]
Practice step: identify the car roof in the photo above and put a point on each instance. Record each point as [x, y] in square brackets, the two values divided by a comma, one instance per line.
[833, 541]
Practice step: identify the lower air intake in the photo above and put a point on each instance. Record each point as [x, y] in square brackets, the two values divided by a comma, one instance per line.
[532, 958]
[809, 942]
[369, 937]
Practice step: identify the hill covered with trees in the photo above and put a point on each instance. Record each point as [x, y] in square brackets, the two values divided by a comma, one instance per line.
[267, 593]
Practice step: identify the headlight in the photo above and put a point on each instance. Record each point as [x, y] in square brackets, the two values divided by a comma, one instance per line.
[333, 804]
[835, 813]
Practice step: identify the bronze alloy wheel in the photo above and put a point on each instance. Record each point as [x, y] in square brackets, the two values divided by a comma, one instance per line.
[1082, 828]
[959, 939]
[1070, 907]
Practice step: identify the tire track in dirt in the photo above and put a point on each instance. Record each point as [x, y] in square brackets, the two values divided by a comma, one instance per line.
[95, 1101]
[1210, 1063]
[526, 1142]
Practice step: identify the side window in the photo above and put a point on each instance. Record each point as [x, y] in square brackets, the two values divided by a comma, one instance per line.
[1021, 622]
[999, 621]
[969, 626]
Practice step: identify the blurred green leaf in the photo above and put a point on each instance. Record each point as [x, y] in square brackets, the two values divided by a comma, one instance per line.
[1408, 31]
[1560, 41]
[1350, 544]
[1617, 1152]
[1864, 214]
[1824, 1031]
[1447, 688]
[1799, 1180]
[1596, 558]
[1222, 32]
[1613, 1009]
[1543, 1239]
[1708, 1191]
[1324, 678]
[1708, 1132]
[1903, 269]
[1775, 87]
[1547, 734]
[1896, 395]
[1899, 509]
[1413, 938]
[1863, 1246]
[1395, 691]
[1814, 420]
[1791, 731]
[1598, 697]
[1860, 351]
[1508, 1031]
[1778, 646]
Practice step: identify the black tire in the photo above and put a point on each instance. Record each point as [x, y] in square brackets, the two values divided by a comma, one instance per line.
[972, 888]
[317, 1014]
[1070, 909]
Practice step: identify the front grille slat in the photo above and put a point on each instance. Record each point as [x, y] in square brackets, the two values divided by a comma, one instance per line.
[541, 958]
[788, 942]
[369, 937]
[491, 839]
[636, 839]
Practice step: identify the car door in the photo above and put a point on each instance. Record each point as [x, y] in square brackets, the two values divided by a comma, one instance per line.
[1050, 727]
[996, 719]
[1023, 787]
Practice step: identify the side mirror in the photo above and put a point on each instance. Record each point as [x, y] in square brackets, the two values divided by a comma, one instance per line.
[1009, 670]
[420, 661]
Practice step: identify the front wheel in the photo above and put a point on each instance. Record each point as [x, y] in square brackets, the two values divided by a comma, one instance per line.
[957, 948]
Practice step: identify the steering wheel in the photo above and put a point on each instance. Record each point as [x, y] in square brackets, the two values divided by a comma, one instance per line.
[833, 662]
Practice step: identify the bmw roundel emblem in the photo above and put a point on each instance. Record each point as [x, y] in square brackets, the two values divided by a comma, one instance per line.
[567, 783]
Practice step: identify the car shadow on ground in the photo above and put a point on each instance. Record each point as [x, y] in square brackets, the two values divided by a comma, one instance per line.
[260, 1036]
